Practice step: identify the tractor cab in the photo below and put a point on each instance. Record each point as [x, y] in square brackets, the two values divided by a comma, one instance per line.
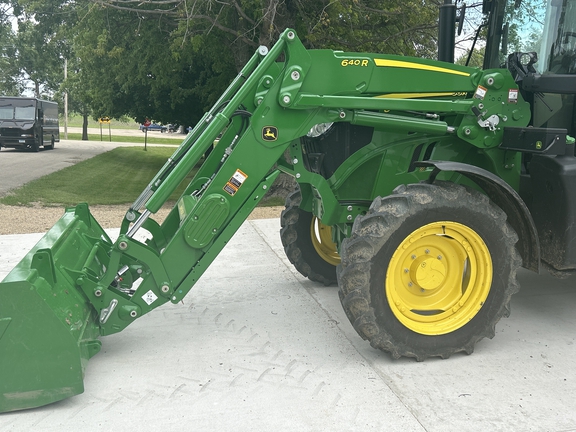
[536, 41]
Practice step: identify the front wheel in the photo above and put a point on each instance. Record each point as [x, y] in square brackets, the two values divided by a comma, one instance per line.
[429, 270]
[308, 242]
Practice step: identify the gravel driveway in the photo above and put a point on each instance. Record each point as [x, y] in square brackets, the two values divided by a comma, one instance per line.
[23, 220]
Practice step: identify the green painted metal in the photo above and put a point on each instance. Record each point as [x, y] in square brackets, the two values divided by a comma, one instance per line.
[77, 285]
[48, 330]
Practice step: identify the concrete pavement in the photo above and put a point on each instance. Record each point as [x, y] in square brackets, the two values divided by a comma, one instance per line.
[256, 347]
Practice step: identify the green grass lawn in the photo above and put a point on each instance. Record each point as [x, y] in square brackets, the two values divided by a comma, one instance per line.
[114, 177]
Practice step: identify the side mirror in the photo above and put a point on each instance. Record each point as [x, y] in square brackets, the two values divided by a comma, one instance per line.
[461, 18]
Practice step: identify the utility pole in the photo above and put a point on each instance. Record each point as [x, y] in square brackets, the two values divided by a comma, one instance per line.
[65, 101]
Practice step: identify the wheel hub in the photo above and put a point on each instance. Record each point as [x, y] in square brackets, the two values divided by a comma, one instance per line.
[321, 236]
[428, 273]
[438, 278]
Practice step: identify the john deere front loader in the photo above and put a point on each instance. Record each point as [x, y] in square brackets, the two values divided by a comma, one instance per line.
[422, 187]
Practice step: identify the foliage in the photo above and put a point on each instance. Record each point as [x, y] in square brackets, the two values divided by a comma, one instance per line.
[10, 77]
[39, 46]
[169, 60]
[474, 60]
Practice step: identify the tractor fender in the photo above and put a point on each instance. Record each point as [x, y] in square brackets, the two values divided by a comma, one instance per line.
[505, 197]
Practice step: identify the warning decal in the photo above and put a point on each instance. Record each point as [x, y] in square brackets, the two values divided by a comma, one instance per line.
[513, 96]
[480, 92]
[235, 182]
[149, 297]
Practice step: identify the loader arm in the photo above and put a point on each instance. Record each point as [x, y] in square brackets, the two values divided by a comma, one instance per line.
[276, 99]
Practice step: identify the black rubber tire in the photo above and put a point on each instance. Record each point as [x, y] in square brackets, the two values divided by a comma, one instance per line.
[297, 242]
[377, 235]
[51, 146]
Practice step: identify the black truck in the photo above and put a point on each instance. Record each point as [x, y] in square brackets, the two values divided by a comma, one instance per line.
[28, 123]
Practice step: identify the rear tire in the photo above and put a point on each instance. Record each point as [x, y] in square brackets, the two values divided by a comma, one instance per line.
[51, 146]
[429, 270]
[307, 242]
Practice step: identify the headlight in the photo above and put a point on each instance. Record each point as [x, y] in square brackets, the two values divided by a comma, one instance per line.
[319, 129]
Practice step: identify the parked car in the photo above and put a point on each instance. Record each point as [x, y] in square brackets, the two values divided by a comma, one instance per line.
[154, 127]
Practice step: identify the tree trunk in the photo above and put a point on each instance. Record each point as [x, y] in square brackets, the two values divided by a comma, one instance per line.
[85, 127]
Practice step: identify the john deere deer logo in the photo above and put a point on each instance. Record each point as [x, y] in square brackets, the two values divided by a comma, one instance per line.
[269, 133]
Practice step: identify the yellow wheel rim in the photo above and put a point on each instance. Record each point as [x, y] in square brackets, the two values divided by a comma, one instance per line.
[321, 236]
[438, 278]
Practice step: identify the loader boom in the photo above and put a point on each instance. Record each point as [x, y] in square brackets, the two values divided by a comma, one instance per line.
[408, 110]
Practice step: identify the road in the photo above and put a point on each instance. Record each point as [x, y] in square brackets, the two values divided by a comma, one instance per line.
[123, 132]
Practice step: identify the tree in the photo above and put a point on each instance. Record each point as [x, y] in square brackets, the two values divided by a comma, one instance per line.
[129, 67]
[10, 83]
[474, 60]
[169, 60]
[38, 57]
[394, 26]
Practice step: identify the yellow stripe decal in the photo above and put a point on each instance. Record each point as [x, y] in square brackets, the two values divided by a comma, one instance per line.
[410, 65]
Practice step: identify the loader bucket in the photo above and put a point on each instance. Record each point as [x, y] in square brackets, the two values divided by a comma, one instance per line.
[48, 329]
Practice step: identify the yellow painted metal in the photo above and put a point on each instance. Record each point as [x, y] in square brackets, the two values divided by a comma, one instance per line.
[321, 236]
[438, 278]
[414, 65]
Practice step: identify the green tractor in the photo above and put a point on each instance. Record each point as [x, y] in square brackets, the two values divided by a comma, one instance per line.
[422, 187]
